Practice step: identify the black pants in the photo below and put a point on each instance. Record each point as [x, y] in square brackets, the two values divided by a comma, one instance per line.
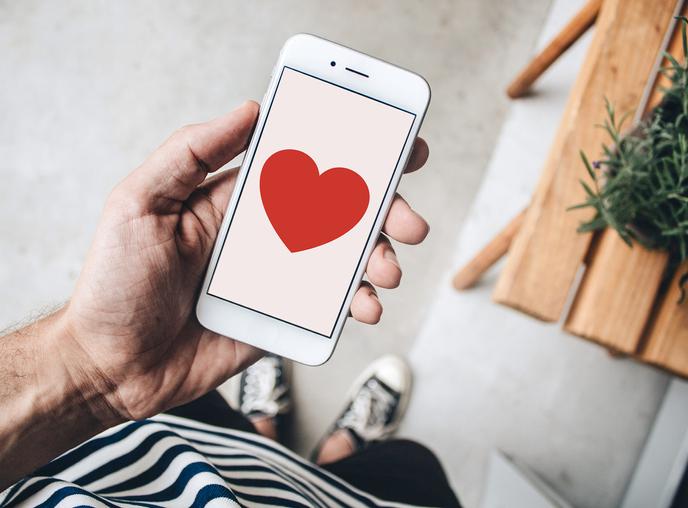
[396, 470]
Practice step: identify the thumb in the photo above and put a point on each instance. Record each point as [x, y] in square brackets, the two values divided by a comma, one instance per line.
[173, 171]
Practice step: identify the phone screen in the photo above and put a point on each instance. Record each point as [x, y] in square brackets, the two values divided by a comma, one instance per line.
[324, 161]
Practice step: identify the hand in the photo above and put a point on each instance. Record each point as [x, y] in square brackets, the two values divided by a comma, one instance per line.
[131, 320]
[128, 345]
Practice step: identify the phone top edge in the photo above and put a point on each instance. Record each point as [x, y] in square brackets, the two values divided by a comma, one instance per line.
[306, 35]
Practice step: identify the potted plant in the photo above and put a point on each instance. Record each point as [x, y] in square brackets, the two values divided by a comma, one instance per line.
[640, 185]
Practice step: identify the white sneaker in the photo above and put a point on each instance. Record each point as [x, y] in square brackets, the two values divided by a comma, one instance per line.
[376, 403]
[263, 389]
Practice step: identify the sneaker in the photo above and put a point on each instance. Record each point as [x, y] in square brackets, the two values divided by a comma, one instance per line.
[263, 390]
[376, 403]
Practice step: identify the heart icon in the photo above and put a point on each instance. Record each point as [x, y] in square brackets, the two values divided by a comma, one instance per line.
[308, 209]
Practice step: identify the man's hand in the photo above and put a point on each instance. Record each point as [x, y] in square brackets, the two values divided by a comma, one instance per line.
[132, 315]
[128, 345]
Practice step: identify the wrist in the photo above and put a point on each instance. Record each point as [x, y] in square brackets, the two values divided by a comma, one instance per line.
[82, 382]
[48, 404]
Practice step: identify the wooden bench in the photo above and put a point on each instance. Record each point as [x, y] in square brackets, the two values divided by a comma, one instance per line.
[619, 301]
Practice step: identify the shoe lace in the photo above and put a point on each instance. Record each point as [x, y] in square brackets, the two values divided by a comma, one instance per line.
[261, 393]
[368, 413]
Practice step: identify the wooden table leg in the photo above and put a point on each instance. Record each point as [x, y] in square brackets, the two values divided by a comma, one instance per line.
[470, 274]
[563, 41]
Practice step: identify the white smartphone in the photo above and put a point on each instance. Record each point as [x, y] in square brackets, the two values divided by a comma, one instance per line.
[335, 130]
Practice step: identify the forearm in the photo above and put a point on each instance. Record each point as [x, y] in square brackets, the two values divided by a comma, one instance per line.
[48, 403]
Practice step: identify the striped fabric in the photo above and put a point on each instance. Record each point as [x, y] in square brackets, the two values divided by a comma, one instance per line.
[172, 461]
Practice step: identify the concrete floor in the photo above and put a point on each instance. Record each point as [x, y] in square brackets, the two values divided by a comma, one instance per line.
[88, 89]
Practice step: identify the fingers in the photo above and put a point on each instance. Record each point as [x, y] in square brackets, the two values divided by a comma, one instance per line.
[383, 270]
[365, 307]
[175, 169]
[419, 156]
[383, 267]
[405, 225]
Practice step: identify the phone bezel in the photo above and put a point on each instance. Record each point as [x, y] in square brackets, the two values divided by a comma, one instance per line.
[385, 82]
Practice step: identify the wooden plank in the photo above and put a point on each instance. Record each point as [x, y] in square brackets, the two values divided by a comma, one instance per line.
[619, 288]
[578, 25]
[667, 340]
[617, 293]
[547, 252]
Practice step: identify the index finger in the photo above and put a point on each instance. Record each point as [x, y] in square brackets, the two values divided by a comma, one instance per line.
[419, 155]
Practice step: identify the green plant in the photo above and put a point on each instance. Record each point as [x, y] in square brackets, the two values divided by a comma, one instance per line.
[640, 185]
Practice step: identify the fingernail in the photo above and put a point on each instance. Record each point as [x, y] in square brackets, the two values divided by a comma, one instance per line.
[374, 295]
[391, 256]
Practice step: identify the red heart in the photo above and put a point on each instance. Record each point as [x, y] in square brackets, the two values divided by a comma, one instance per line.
[306, 208]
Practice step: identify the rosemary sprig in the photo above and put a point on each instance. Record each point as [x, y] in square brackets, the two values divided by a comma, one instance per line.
[640, 185]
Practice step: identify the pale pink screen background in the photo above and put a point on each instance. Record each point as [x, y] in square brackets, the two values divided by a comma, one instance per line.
[336, 128]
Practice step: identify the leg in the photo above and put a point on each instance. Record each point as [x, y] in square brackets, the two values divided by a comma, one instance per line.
[373, 413]
[397, 470]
